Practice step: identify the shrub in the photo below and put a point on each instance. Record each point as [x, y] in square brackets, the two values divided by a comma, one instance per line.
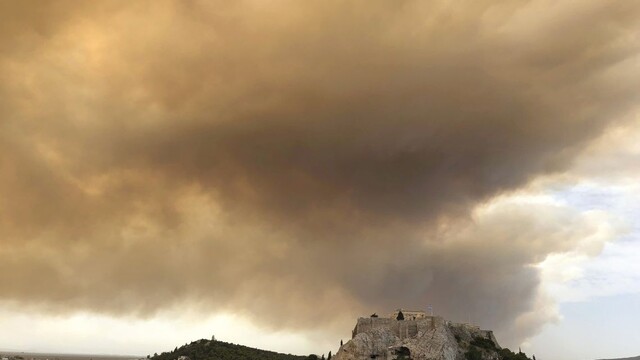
[506, 354]
[473, 354]
[483, 343]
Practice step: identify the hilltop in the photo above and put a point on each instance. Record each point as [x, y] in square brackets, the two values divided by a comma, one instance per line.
[418, 336]
[219, 350]
[396, 337]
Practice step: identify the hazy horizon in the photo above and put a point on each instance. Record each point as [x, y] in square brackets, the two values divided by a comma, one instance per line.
[268, 171]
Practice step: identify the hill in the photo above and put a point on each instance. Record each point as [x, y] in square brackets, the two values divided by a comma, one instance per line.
[422, 337]
[220, 350]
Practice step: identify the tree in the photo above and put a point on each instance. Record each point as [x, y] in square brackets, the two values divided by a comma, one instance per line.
[340, 342]
[473, 354]
[534, 357]
[322, 357]
[400, 315]
[329, 357]
[374, 315]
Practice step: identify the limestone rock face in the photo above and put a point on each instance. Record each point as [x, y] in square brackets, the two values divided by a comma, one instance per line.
[419, 339]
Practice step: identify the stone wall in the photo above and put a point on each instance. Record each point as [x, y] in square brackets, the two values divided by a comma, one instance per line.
[367, 324]
[468, 332]
[400, 328]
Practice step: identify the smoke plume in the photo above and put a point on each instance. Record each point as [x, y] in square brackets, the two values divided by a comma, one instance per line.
[302, 163]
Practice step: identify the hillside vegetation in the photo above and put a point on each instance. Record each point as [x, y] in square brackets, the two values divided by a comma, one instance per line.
[220, 350]
[480, 348]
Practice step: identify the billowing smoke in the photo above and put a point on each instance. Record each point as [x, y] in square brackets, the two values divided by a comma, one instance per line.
[320, 159]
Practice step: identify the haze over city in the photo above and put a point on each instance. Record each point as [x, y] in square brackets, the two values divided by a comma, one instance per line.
[268, 171]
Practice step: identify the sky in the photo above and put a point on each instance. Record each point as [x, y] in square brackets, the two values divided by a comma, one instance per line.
[268, 171]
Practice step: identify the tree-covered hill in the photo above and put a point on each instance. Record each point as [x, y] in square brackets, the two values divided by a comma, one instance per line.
[220, 350]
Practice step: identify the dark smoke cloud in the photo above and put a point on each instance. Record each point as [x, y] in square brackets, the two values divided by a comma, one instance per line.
[321, 159]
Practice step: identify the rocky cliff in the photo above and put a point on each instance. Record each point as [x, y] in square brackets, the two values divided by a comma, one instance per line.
[431, 337]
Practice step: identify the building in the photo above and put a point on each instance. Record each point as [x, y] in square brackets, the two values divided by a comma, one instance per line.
[409, 314]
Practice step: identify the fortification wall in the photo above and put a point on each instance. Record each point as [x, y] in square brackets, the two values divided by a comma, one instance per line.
[405, 328]
[367, 324]
[400, 328]
[468, 332]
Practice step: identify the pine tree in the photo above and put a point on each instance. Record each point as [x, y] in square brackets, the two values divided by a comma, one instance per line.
[340, 342]
[400, 315]
[329, 357]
